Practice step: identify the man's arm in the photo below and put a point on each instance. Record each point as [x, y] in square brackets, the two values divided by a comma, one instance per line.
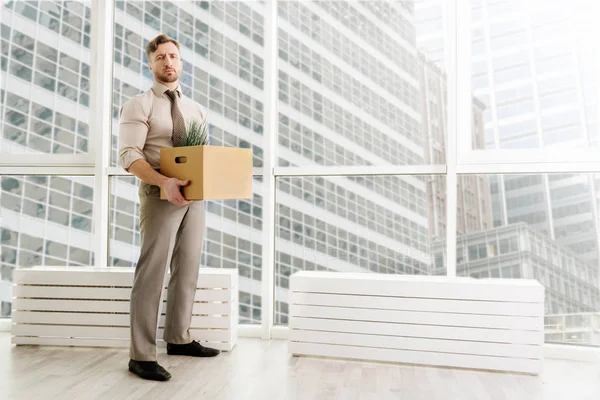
[144, 171]
[133, 131]
[171, 186]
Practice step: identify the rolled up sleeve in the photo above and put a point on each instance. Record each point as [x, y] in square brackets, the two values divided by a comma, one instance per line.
[133, 131]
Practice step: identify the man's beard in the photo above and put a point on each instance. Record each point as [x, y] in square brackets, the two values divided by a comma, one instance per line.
[163, 77]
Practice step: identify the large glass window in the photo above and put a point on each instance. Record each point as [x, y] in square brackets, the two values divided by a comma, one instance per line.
[354, 89]
[536, 63]
[223, 69]
[368, 224]
[545, 227]
[45, 69]
[44, 220]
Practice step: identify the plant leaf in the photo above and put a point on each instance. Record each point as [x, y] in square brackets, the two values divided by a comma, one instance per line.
[196, 133]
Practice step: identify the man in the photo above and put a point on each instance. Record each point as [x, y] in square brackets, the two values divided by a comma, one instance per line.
[172, 231]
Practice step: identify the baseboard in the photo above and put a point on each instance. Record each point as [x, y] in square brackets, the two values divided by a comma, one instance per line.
[280, 332]
[572, 352]
[5, 324]
[249, 331]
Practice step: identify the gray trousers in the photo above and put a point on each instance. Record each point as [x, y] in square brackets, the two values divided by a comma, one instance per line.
[171, 236]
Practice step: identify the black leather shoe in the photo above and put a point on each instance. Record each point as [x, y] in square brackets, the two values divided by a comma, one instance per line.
[193, 349]
[150, 370]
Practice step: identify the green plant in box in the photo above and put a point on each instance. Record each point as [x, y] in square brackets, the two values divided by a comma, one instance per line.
[196, 134]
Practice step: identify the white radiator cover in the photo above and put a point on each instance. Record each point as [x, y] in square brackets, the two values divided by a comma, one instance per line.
[493, 324]
[84, 306]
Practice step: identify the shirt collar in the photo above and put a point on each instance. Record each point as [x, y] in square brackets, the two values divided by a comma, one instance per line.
[159, 89]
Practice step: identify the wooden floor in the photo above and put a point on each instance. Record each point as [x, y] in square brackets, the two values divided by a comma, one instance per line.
[262, 370]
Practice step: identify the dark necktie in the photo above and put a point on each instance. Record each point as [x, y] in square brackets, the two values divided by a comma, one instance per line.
[178, 121]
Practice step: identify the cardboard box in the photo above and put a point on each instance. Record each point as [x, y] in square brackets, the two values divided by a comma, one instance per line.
[214, 172]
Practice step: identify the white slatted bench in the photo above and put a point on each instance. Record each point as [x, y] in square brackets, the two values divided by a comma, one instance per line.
[494, 324]
[84, 306]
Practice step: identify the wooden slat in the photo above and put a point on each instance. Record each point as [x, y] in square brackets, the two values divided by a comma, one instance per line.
[64, 277]
[206, 335]
[63, 341]
[423, 331]
[418, 344]
[61, 329]
[66, 318]
[71, 331]
[224, 309]
[108, 306]
[214, 322]
[103, 306]
[529, 366]
[97, 319]
[71, 292]
[519, 291]
[213, 281]
[230, 295]
[110, 276]
[212, 308]
[421, 318]
[121, 306]
[203, 322]
[111, 293]
[117, 343]
[419, 304]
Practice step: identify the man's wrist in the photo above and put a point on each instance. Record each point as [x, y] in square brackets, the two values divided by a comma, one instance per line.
[162, 181]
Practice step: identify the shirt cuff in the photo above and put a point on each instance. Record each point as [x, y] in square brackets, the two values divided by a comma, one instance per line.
[128, 157]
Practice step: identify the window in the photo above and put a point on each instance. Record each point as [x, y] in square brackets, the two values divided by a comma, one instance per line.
[522, 245]
[45, 220]
[45, 79]
[535, 87]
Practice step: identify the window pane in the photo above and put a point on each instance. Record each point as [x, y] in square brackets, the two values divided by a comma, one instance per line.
[44, 220]
[41, 77]
[233, 238]
[208, 47]
[357, 224]
[531, 63]
[544, 228]
[371, 96]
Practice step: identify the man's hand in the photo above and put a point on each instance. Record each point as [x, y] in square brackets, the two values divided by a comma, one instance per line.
[172, 188]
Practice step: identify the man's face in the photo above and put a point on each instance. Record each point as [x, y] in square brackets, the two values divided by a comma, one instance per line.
[165, 63]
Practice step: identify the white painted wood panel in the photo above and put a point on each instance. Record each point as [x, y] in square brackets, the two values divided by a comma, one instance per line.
[419, 304]
[90, 307]
[71, 292]
[411, 330]
[90, 292]
[428, 287]
[421, 344]
[108, 306]
[456, 322]
[209, 278]
[420, 317]
[78, 342]
[529, 366]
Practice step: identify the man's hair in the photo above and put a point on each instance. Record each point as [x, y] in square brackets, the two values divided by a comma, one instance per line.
[157, 41]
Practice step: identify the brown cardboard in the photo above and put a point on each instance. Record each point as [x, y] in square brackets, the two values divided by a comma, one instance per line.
[214, 172]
